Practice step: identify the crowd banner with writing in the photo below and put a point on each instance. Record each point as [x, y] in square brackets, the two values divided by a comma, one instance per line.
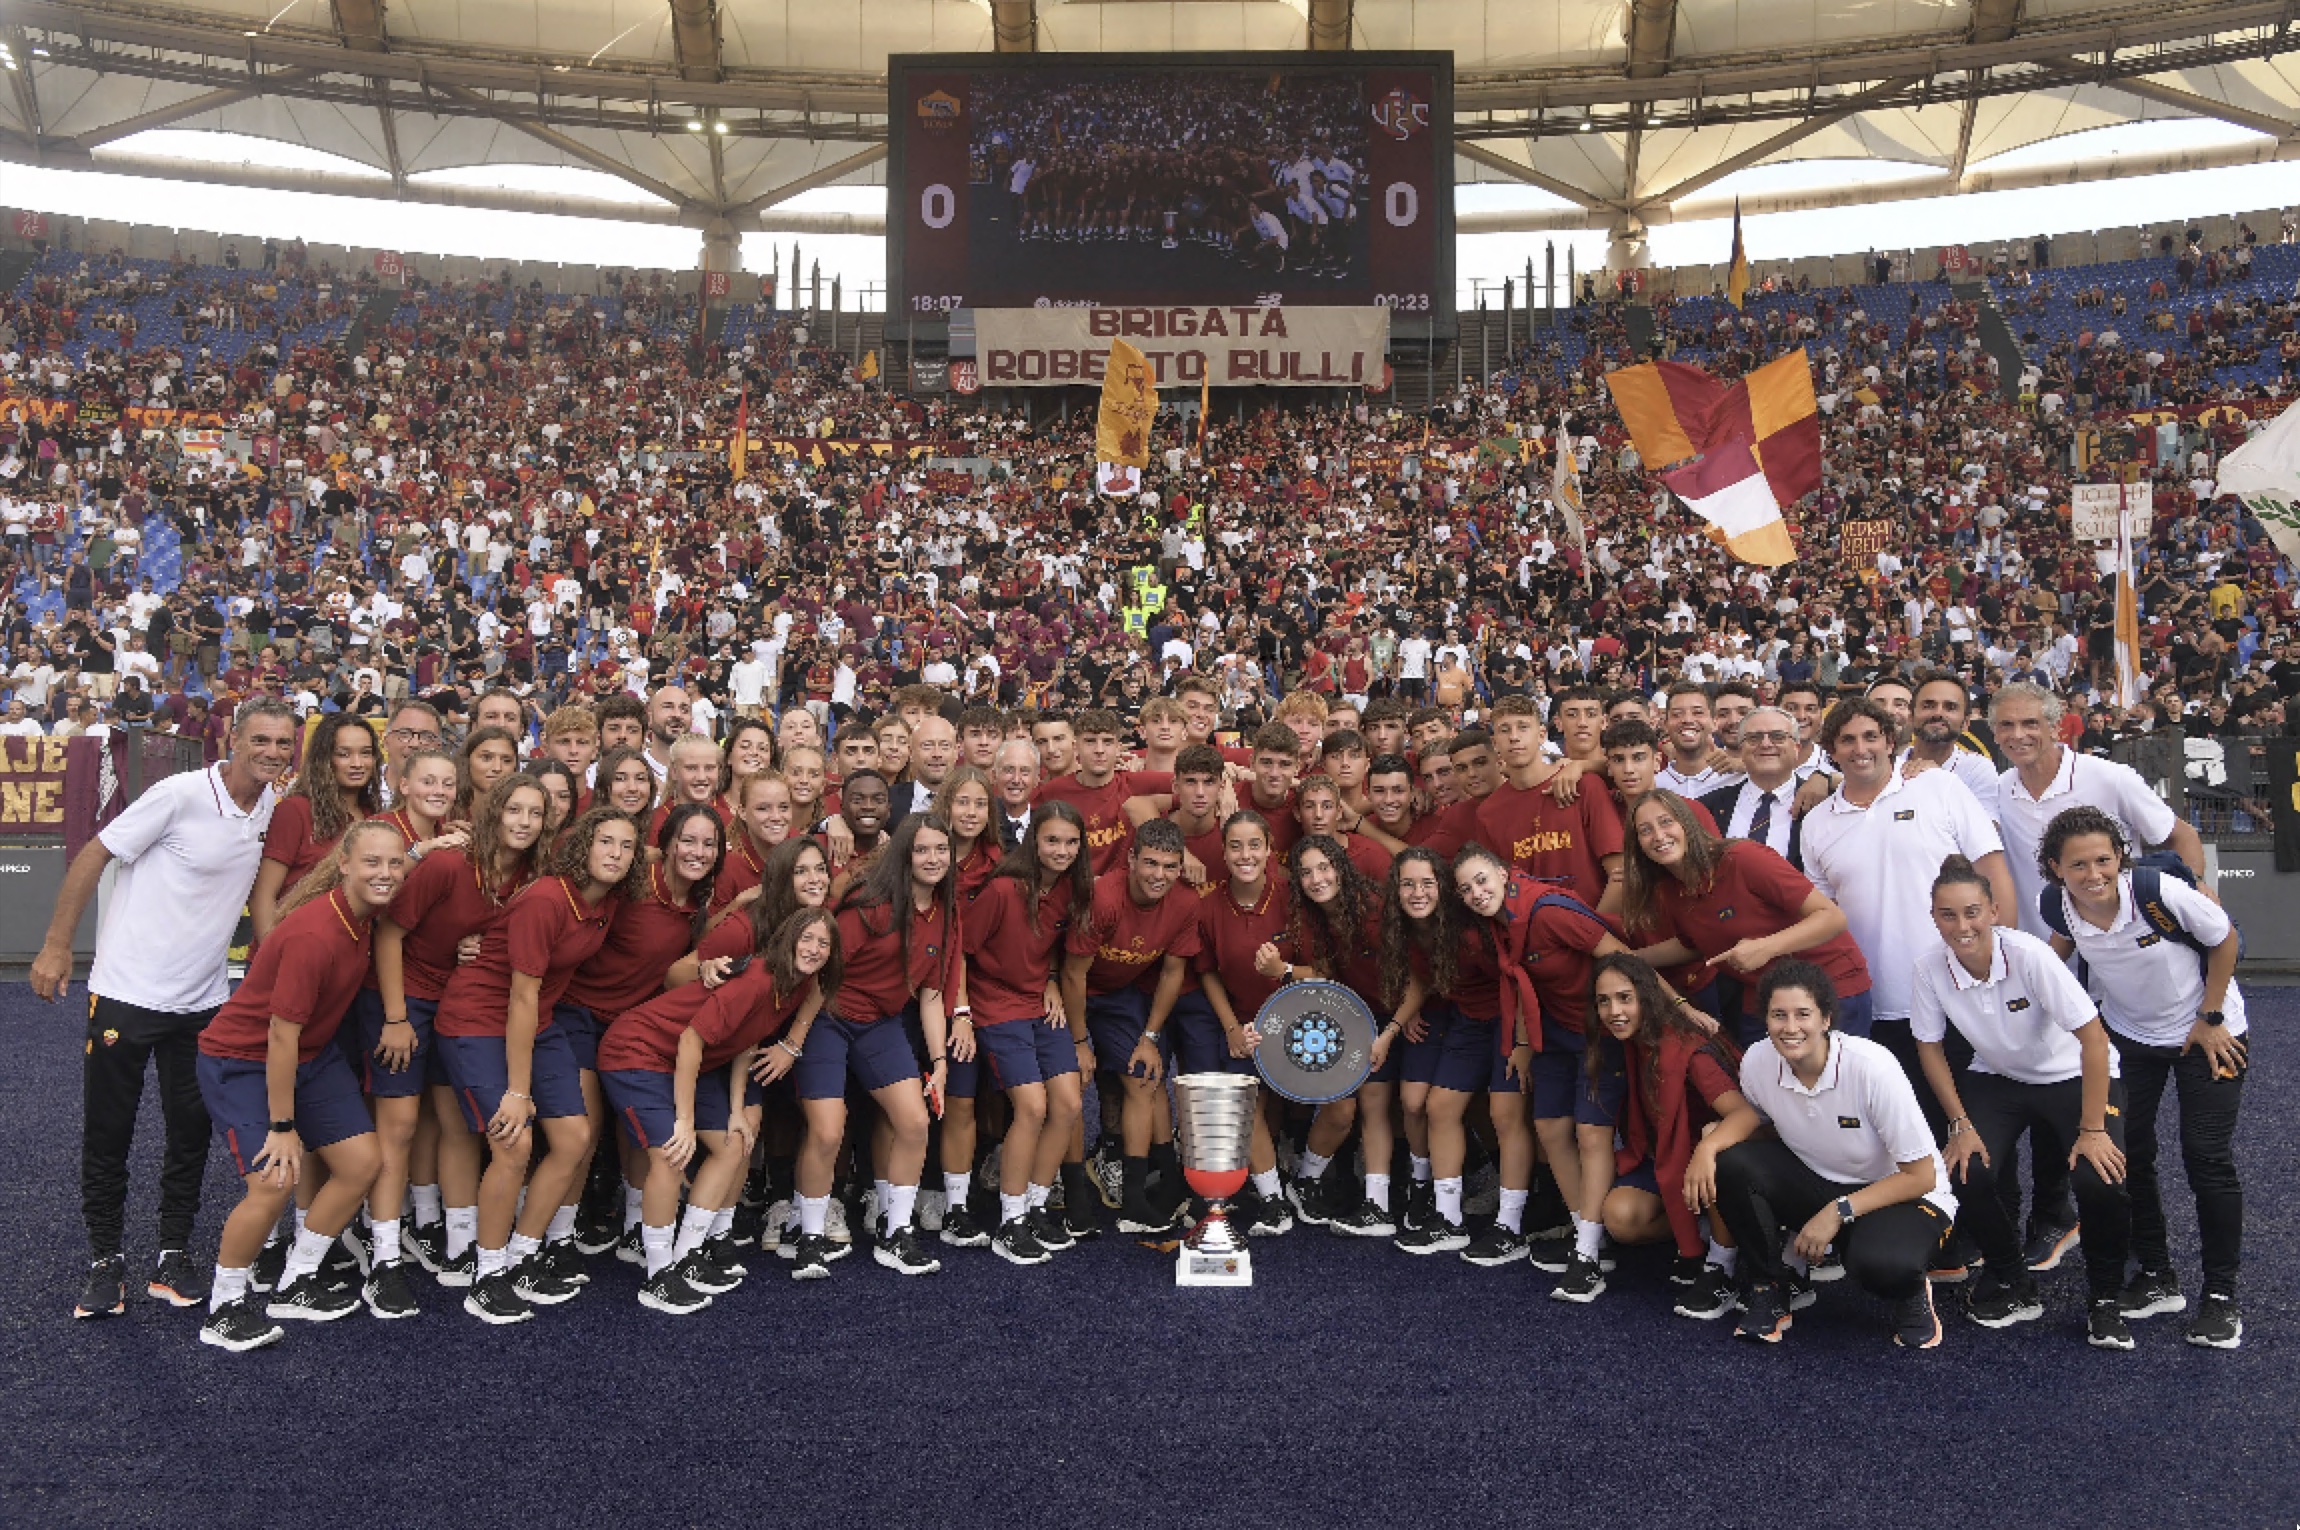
[1233, 347]
[31, 787]
[2092, 510]
[1864, 539]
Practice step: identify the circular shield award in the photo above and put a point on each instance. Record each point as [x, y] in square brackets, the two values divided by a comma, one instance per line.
[1317, 1042]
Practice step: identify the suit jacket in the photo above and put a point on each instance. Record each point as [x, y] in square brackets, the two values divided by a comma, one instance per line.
[1722, 802]
[1009, 834]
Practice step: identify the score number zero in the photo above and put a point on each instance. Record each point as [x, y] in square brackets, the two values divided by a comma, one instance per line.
[1401, 205]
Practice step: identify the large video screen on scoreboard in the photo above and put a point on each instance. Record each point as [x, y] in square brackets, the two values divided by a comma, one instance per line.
[1170, 179]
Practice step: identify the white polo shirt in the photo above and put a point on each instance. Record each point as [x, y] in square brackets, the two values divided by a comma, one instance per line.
[187, 857]
[2082, 781]
[1879, 862]
[1858, 1125]
[2150, 986]
[1700, 784]
[1976, 771]
[2021, 1019]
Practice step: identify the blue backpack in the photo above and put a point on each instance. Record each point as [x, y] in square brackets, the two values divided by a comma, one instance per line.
[2148, 874]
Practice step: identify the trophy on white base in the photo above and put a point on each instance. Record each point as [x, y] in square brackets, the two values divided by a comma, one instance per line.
[1215, 1112]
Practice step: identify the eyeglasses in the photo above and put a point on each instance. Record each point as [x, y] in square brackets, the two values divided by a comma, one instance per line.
[420, 736]
[1767, 737]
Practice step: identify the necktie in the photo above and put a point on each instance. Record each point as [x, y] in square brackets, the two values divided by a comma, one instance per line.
[1761, 821]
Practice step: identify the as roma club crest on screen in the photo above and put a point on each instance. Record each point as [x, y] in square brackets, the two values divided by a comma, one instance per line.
[939, 110]
[1401, 114]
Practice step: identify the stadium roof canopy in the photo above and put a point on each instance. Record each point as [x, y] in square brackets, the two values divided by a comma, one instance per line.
[717, 113]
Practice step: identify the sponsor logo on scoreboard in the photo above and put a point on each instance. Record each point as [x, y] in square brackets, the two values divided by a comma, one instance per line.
[1401, 114]
[939, 110]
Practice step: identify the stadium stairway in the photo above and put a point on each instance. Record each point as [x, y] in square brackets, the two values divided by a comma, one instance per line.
[373, 316]
[1997, 337]
[15, 265]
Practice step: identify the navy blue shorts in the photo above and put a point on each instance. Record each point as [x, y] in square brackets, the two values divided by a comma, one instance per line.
[1598, 1101]
[1556, 1079]
[1200, 1045]
[876, 1054]
[363, 1033]
[1470, 1059]
[645, 1108]
[1640, 1178]
[1020, 1052]
[1416, 1062]
[328, 1108]
[582, 1028]
[1115, 1022]
[1854, 1014]
[477, 1069]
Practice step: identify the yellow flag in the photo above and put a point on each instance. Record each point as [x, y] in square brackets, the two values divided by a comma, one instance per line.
[869, 367]
[1129, 402]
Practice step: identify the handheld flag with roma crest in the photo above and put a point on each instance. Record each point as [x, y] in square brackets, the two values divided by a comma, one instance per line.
[1565, 492]
[1737, 453]
[1122, 428]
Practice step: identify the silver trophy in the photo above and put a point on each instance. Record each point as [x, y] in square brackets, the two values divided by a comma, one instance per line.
[1216, 1114]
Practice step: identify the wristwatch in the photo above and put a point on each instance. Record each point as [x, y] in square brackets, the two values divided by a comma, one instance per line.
[1845, 1212]
[286, 1127]
[2213, 1017]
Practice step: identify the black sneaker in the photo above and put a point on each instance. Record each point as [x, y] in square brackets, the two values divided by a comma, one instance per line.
[345, 1262]
[387, 1295]
[1014, 1243]
[961, 1230]
[2147, 1294]
[629, 1249]
[669, 1290]
[2049, 1244]
[1710, 1297]
[352, 1244]
[461, 1272]
[313, 1299]
[106, 1293]
[1998, 1303]
[1685, 1269]
[1309, 1201]
[1831, 1267]
[1437, 1237]
[269, 1265]
[2218, 1323]
[1421, 1205]
[1958, 1258]
[1143, 1219]
[495, 1299]
[1264, 1218]
[2104, 1325]
[750, 1221]
[1364, 1220]
[704, 1272]
[595, 1230]
[1584, 1282]
[1494, 1247]
[540, 1285]
[565, 1260]
[1546, 1214]
[240, 1326]
[810, 1256]
[1797, 1290]
[1763, 1318]
[428, 1244]
[176, 1281]
[1081, 1223]
[721, 1251]
[1916, 1325]
[1047, 1231]
[900, 1252]
[1549, 1255]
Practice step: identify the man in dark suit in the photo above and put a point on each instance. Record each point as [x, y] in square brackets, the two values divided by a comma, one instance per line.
[1758, 807]
[1014, 775]
[933, 755]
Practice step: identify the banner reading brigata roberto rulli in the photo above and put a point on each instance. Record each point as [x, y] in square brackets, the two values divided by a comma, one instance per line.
[1240, 347]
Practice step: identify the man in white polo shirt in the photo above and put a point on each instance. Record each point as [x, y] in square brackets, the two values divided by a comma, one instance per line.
[187, 851]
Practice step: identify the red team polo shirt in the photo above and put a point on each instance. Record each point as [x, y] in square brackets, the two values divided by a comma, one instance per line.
[1129, 942]
[1009, 962]
[739, 871]
[1229, 935]
[438, 905]
[289, 840]
[307, 974]
[732, 1018]
[875, 983]
[647, 935]
[1104, 809]
[1755, 893]
[1551, 842]
[548, 932]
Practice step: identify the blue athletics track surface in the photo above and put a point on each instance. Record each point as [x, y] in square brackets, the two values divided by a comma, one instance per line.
[1352, 1386]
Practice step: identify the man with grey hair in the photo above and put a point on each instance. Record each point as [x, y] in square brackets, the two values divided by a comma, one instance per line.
[187, 851]
[1015, 773]
[933, 755]
[1758, 806]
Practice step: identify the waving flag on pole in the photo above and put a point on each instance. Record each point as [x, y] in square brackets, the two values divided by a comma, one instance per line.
[1122, 428]
[739, 445]
[2128, 684]
[1737, 453]
[1565, 493]
[1737, 273]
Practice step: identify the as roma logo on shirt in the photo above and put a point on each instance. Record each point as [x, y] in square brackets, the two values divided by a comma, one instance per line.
[1401, 114]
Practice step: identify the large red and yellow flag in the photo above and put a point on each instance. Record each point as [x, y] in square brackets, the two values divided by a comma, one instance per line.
[1129, 404]
[1737, 271]
[1738, 453]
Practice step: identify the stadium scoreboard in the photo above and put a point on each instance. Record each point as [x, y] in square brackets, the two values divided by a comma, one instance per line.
[1061, 181]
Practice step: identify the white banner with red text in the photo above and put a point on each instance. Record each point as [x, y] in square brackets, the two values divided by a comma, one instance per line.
[1233, 347]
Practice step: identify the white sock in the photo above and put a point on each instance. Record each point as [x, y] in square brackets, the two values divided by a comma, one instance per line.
[310, 1248]
[1312, 1166]
[1588, 1237]
[386, 1241]
[657, 1242]
[493, 1261]
[299, 1216]
[722, 1221]
[1449, 1200]
[1421, 1169]
[694, 1227]
[899, 1201]
[1011, 1207]
[633, 1199]
[813, 1211]
[1266, 1184]
[1378, 1191]
[1512, 1214]
[885, 1189]
[462, 1229]
[230, 1286]
[523, 1247]
[1037, 1196]
[956, 1188]
[1722, 1257]
[425, 1200]
[562, 1225]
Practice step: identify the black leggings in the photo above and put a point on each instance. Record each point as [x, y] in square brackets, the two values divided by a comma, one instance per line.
[2001, 1109]
[2048, 1156]
[1767, 1194]
[2208, 1109]
[122, 1038]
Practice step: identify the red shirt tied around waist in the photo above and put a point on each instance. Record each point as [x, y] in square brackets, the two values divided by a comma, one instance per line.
[548, 932]
[306, 975]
